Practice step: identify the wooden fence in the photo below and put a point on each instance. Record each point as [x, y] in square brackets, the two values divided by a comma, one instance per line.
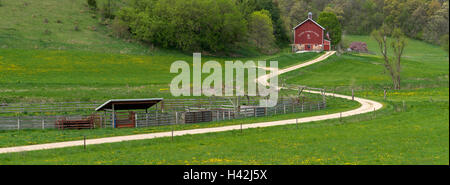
[173, 111]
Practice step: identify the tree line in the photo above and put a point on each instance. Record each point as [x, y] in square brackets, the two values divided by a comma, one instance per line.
[218, 25]
[425, 20]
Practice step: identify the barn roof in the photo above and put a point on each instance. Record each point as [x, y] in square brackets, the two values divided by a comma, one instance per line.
[306, 21]
[129, 104]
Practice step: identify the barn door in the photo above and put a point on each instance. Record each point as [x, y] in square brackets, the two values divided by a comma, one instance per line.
[308, 47]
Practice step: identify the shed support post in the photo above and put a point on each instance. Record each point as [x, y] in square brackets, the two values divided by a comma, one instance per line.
[146, 117]
[113, 117]
[135, 120]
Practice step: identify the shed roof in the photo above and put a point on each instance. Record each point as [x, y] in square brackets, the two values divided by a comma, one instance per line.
[129, 104]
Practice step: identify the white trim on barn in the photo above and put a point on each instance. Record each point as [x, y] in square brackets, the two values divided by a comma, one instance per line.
[312, 21]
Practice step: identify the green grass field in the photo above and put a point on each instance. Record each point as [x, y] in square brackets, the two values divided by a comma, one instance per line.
[412, 128]
[27, 137]
[50, 75]
[394, 135]
[53, 62]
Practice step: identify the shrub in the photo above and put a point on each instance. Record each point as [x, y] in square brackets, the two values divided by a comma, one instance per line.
[47, 32]
[107, 10]
[92, 4]
[444, 42]
[120, 29]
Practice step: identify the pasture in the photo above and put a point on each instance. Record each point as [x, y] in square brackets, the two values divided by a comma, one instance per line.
[74, 57]
[412, 128]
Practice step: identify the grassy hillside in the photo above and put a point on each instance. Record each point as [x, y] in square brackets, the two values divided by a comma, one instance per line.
[412, 128]
[71, 75]
[415, 49]
[43, 58]
[423, 65]
[50, 24]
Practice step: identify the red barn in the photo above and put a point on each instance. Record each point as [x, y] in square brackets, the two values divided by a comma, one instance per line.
[310, 36]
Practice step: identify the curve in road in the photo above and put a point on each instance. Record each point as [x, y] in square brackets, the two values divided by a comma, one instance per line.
[366, 106]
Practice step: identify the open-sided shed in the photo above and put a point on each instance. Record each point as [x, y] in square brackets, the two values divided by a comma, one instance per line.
[120, 120]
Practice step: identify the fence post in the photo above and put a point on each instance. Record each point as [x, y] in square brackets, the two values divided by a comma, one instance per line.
[296, 122]
[18, 123]
[323, 95]
[176, 118]
[284, 108]
[404, 106]
[241, 126]
[318, 105]
[374, 114]
[293, 107]
[384, 94]
[254, 111]
[353, 95]
[43, 123]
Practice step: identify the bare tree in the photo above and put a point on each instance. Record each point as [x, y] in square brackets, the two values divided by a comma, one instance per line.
[392, 64]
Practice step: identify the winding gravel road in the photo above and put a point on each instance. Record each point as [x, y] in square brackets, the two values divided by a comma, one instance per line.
[366, 106]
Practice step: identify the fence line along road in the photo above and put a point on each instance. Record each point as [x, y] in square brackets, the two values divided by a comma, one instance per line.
[366, 106]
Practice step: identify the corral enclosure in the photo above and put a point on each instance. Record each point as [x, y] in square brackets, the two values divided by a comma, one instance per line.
[166, 112]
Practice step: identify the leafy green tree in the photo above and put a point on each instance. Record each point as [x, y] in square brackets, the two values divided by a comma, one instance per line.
[298, 13]
[250, 6]
[261, 31]
[332, 25]
[190, 25]
[437, 25]
[92, 4]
